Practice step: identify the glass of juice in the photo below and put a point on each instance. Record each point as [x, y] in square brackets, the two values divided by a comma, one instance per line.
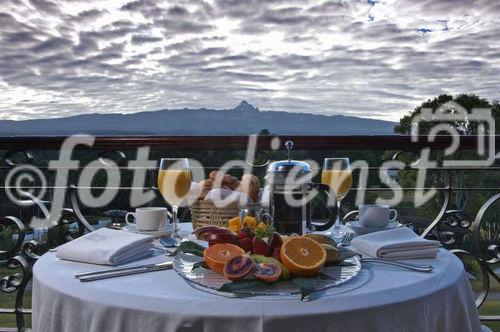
[174, 182]
[337, 174]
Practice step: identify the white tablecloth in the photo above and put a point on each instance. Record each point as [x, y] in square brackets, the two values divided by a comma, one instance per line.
[381, 298]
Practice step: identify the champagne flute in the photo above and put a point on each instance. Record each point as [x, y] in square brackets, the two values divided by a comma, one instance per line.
[337, 174]
[174, 182]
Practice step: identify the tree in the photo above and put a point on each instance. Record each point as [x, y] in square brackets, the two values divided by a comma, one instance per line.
[264, 132]
[467, 101]
[464, 127]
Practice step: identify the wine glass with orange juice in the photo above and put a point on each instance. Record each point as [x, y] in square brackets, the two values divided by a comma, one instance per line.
[337, 174]
[174, 182]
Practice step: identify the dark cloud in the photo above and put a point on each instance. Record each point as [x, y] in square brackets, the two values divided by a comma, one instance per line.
[178, 11]
[87, 44]
[174, 26]
[17, 38]
[330, 7]
[52, 45]
[214, 38]
[190, 44]
[123, 24]
[139, 5]
[239, 9]
[148, 8]
[144, 39]
[284, 16]
[7, 20]
[246, 76]
[48, 7]
[181, 61]
[88, 16]
[233, 58]
[120, 29]
[212, 51]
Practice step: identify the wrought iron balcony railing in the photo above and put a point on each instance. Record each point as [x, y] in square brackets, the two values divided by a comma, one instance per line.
[463, 214]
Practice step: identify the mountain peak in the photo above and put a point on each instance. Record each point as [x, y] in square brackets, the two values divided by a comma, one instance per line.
[245, 106]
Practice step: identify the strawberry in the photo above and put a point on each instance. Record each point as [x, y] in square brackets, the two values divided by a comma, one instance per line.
[260, 247]
[246, 244]
[275, 243]
[245, 233]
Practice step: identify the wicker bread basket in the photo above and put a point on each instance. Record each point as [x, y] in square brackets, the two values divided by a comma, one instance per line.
[205, 212]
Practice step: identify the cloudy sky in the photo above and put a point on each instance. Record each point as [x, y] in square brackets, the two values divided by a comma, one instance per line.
[366, 58]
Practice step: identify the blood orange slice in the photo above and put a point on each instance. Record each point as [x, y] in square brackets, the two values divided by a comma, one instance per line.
[217, 255]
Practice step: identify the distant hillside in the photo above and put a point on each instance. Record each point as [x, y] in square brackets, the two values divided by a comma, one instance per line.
[241, 120]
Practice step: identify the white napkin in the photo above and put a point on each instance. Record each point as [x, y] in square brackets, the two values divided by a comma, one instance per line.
[397, 243]
[107, 247]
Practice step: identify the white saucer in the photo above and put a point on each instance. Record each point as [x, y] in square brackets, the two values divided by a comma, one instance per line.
[167, 231]
[360, 229]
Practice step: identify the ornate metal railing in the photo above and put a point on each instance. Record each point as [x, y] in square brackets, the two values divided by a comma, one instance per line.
[475, 240]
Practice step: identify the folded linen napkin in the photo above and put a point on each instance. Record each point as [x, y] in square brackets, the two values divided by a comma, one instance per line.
[107, 247]
[396, 243]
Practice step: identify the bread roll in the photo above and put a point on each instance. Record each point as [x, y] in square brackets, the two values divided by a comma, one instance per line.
[212, 175]
[217, 179]
[234, 185]
[250, 185]
[206, 184]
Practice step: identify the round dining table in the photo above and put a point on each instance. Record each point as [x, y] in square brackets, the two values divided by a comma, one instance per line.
[380, 298]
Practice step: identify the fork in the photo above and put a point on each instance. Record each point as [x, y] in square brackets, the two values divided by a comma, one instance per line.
[413, 267]
[346, 240]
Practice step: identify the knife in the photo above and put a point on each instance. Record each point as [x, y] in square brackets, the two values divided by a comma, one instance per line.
[123, 271]
[114, 269]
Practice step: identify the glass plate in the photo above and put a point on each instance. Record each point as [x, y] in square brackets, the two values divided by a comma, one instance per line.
[211, 281]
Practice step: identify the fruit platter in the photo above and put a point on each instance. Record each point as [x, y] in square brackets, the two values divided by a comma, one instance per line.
[248, 258]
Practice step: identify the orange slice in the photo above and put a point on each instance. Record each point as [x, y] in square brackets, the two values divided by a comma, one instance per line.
[234, 224]
[302, 256]
[217, 255]
[250, 222]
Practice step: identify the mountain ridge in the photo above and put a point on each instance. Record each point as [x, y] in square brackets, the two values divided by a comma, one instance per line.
[243, 119]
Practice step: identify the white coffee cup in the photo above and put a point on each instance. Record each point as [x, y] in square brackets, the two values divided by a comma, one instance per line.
[148, 218]
[376, 215]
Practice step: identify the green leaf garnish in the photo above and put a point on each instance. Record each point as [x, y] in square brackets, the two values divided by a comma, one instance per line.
[198, 265]
[324, 276]
[307, 286]
[190, 247]
[346, 253]
[259, 232]
[270, 230]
